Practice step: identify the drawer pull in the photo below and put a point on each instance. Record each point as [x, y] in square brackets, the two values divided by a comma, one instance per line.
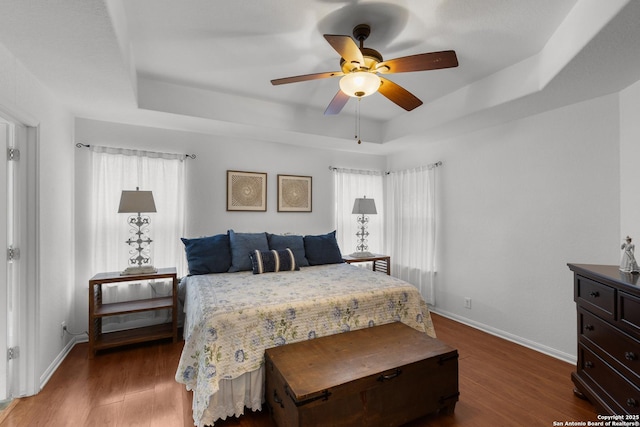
[595, 294]
[589, 327]
[390, 376]
[631, 402]
[277, 399]
[588, 364]
[630, 355]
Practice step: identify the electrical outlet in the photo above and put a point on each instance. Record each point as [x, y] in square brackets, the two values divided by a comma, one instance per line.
[63, 328]
[467, 303]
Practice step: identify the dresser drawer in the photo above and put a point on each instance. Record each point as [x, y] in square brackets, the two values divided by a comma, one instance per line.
[615, 345]
[629, 313]
[616, 390]
[596, 297]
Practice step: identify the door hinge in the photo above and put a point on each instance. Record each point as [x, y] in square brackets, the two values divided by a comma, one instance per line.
[13, 154]
[13, 253]
[13, 353]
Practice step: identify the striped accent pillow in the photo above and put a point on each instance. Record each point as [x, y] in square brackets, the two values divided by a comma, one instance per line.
[273, 261]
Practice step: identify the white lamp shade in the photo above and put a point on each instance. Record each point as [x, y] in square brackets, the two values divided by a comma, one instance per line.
[359, 84]
[364, 206]
[136, 201]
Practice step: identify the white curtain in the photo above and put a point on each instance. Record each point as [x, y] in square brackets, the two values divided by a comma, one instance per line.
[114, 170]
[350, 184]
[410, 227]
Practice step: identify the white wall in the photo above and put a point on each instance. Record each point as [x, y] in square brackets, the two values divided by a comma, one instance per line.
[630, 162]
[517, 202]
[24, 96]
[206, 212]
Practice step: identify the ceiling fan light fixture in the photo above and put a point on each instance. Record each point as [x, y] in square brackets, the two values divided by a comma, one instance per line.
[359, 84]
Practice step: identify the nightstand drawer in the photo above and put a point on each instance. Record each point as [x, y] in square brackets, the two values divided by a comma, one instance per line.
[596, 297]
[614, 344]
[621, 392]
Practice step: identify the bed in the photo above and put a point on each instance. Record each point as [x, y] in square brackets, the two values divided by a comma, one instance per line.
[231, 318]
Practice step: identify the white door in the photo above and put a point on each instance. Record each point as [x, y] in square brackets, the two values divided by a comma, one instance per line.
[9, 259]
[15, 291]
[4, 274]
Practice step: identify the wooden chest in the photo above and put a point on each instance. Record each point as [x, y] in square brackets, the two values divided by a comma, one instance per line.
[380, 376]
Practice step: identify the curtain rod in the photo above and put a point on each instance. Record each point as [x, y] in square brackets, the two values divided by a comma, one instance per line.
[429, 166]
[363, 171]
[187, 156]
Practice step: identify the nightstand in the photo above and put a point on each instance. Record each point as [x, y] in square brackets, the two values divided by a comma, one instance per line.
[99, 340]
[381, 263]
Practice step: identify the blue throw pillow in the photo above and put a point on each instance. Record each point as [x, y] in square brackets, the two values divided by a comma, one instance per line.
[322, 249]
[207, 255]
[273, 261]
[242, 244]
[293, 242]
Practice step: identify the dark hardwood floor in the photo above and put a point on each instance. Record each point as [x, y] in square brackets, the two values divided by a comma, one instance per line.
[501, 384]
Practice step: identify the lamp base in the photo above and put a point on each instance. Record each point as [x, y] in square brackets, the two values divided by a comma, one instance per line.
[140, 269]
[364, 254]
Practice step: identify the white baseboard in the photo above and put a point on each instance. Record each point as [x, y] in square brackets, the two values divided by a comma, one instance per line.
[565, 357]
[46, 376]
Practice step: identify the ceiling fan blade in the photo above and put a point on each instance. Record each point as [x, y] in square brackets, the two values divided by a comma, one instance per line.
[347, 48]
[399, 95]
[420, 62]
[337, 103]
[306, 77]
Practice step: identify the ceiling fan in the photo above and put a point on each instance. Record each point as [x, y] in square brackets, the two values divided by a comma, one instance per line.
[361, 66]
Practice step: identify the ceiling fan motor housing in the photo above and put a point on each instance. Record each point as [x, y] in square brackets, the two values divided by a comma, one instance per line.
[371, 59]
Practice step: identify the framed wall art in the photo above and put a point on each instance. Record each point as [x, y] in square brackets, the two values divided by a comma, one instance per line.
[294, 193]
[246, 191]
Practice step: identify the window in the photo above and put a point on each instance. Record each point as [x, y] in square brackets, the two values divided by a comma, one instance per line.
[114, 170]
[404, 227]
[410, 226]
[349, 185]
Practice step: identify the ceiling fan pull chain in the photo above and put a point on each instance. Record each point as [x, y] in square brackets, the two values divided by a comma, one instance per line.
[358, 121]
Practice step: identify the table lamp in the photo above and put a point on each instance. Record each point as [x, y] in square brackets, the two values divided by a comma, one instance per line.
[138, 202]
[363, 207]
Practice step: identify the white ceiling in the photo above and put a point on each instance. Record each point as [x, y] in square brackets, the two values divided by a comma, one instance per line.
[206, 65]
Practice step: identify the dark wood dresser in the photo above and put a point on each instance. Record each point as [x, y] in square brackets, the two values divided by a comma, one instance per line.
[608, 368]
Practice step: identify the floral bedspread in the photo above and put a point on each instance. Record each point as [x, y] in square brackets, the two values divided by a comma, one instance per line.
[231, 318]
